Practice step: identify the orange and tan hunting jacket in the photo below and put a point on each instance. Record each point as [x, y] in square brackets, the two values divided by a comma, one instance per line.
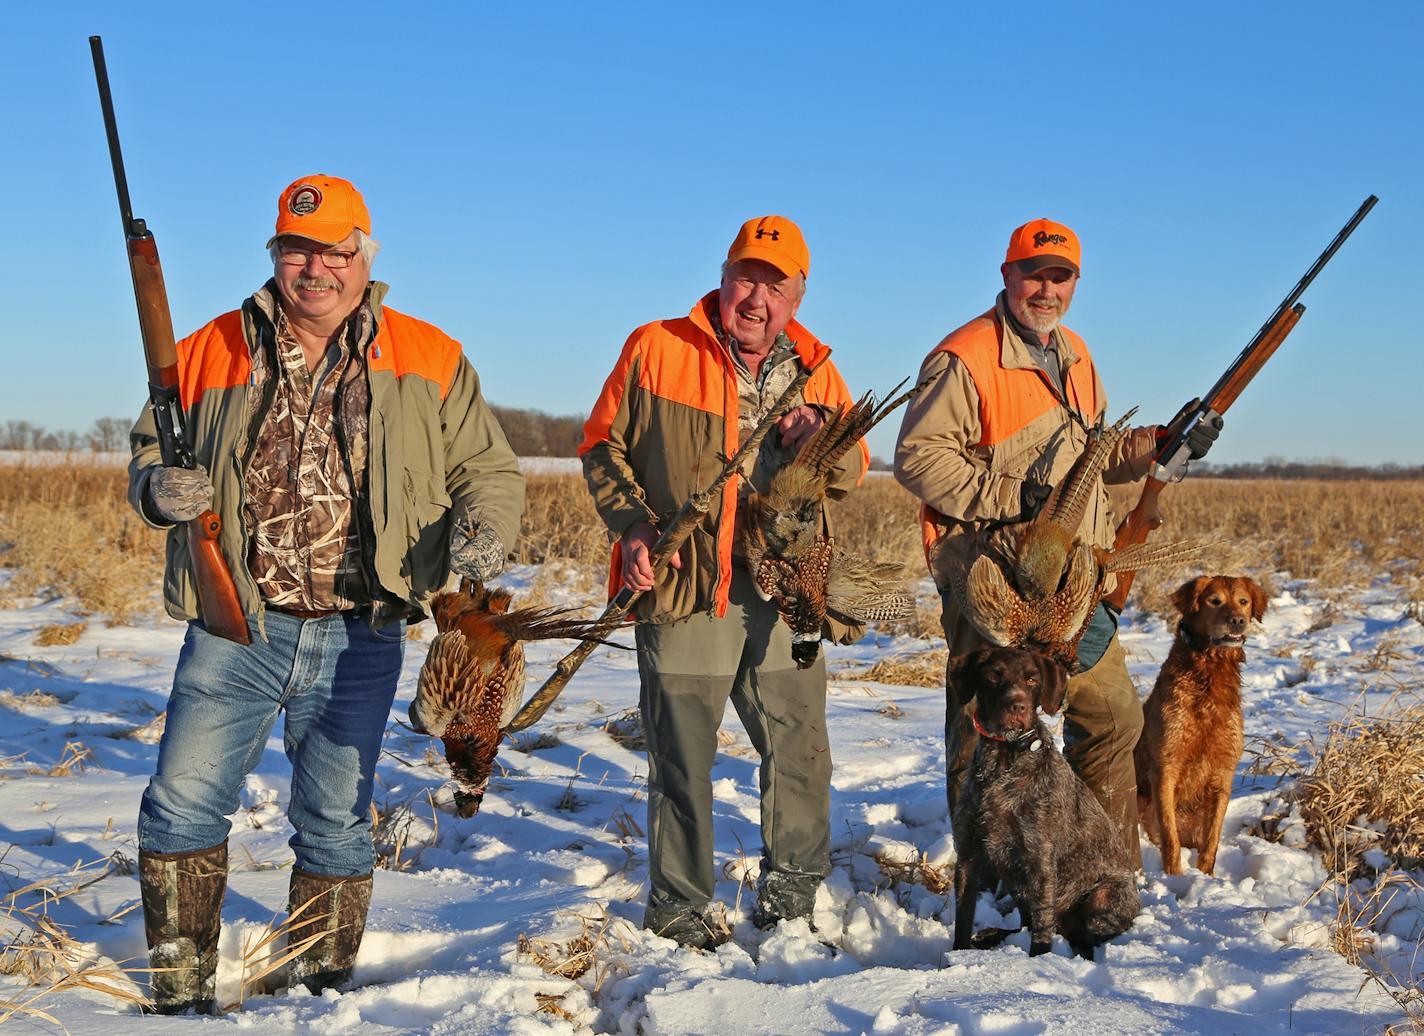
[666, 417]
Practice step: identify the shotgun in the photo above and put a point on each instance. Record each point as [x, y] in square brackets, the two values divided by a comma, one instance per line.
[664, 549]
[222, 615]
[1170, 462]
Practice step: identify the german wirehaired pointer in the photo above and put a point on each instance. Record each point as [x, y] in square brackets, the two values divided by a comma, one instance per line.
[1024, 818]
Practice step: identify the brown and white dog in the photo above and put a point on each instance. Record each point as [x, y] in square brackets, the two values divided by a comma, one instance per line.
[1192, 731]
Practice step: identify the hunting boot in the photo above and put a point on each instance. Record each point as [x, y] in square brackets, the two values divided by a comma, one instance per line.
[182, 914]
[783, 896]
[335, 910]
[685, 926]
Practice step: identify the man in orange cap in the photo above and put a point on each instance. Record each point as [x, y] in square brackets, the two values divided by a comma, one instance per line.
[682, 395]
[354, 463]
[1010, 411]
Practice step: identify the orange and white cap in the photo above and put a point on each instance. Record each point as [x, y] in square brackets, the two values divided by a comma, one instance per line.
[322, 208]
[1042, 243]
[775, 240]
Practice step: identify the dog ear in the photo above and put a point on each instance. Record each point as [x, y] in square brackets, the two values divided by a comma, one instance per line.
[1053, 684]
[1184, 598]
[1258, 598]
[956, 680]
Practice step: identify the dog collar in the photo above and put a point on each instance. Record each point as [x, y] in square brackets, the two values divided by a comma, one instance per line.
[1028, 739]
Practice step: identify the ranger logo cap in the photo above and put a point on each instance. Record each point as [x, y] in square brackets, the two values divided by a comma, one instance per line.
[322, 208]
[775, 240]
[1042, 243]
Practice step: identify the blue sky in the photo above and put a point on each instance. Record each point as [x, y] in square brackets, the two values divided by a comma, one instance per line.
[545, 177]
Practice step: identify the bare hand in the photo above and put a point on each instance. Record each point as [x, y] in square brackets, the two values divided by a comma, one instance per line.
[798, 425]
[637, 570]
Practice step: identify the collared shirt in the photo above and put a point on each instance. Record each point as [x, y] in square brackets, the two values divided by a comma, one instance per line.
[307, 471]
[1048, 357]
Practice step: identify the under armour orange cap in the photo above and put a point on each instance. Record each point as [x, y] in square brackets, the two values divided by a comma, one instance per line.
[1042, 243]
[775, 240]
[322, 208]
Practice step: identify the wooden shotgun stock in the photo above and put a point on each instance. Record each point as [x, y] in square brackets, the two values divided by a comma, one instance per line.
[222, 614]
[1170, 462]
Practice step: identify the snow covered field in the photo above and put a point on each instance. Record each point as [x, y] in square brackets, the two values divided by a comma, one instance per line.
[558, 850]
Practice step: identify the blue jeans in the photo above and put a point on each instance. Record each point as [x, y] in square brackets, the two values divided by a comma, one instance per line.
[335, 678]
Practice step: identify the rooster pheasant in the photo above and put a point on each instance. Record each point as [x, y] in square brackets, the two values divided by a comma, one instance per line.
[1038, 583]
[794, 564]
[473, 678]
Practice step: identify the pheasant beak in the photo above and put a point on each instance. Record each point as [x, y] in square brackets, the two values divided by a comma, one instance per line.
[467, 804]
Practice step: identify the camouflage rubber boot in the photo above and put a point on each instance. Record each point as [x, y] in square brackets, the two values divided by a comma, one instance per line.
[683, 925]
[182, 915]
[784, 897]
[336, 908]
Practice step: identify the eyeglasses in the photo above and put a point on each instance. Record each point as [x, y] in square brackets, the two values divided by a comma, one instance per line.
[330, 258]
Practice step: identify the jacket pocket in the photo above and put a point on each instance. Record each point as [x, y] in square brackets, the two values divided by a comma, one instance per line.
[427, 557]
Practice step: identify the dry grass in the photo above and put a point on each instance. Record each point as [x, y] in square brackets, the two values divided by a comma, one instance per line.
[60, 634]
[265, 953]
[586, 954]
[399, 835]
[1363, 790]
[923, 669]
[1358, 794]
[42, 952]
[917, 871]
[626, 728]
[68, 531]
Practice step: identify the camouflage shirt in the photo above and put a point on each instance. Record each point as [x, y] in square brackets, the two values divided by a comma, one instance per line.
[756, 396]
[307, 472]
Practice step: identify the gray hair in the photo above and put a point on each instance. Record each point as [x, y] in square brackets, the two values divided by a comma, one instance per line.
[365, 244]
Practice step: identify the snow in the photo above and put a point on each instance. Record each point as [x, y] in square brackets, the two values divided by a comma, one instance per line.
[558, 849]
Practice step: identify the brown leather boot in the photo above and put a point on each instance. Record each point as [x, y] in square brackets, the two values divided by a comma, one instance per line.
[338, 910]
[182, 914]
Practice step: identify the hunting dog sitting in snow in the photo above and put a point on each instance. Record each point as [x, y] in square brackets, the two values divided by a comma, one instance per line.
[1026, 819]
[1192, 730]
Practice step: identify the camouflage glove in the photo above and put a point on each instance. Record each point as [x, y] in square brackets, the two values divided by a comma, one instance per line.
[179, 494]
[1201, 437]
[476, 550]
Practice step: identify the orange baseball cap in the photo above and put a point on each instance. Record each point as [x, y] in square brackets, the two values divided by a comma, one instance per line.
[322, 208]
[1042, 243]
[775, 240]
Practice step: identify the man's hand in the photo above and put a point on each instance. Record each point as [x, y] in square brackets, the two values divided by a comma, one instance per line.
[476, 550]
[637, 542]
[798, 424]
[179, 494]
[1201, 437]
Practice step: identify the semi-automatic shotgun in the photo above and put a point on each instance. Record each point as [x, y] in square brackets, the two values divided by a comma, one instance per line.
[1170, 463]
[221, 613]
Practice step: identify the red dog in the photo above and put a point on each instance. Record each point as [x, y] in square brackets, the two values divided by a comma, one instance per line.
[1192, 735]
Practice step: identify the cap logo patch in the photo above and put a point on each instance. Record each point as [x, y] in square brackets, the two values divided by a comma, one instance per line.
[775, 235]
[1044, 238]
[305, 200]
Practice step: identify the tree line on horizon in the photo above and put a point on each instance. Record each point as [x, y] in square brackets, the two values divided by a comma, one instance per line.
[534, 433]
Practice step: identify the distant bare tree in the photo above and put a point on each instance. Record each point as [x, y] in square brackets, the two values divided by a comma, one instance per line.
[533, 433]
[109, 435]
[19, 435]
